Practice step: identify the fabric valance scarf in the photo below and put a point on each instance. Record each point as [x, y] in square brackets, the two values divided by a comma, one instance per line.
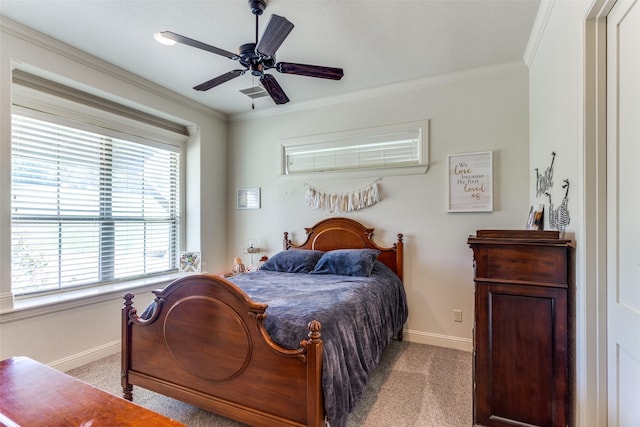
[344, 202]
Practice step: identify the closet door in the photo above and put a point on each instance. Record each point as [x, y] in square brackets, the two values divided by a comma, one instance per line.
[623, 210]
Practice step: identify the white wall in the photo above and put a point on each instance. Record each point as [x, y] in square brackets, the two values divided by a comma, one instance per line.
[557, 108]
[67, 336]
[478, 110]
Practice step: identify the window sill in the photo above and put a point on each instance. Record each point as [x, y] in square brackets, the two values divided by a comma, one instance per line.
[359, 173]
[18, 308]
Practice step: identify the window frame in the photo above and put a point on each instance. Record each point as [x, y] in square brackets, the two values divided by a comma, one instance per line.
[337, 139]
[34, 103]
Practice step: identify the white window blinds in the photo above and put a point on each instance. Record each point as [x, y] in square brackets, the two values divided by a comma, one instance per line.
[89, 208]
[378, 148]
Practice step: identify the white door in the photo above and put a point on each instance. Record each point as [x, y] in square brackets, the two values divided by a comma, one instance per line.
[623, 214]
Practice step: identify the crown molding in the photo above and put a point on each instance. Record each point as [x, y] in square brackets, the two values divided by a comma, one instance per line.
[539, 26]
[45, 42]
[392, 89]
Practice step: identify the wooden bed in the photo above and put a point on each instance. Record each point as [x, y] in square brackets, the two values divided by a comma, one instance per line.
[206, 344]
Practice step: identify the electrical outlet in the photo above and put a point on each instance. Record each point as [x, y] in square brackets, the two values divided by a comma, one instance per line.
[457, 315]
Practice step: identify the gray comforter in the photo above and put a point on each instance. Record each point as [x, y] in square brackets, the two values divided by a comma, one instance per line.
[359, 317]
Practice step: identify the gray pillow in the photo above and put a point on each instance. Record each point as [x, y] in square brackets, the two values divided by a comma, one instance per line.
[293, 261]
[347, 262]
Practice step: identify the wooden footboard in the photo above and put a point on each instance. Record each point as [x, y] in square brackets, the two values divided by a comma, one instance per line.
[206, 345]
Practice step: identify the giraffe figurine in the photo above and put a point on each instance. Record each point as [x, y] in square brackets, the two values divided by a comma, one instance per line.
[559, 217]
[563, 217]
[545, 181]
[553, 213]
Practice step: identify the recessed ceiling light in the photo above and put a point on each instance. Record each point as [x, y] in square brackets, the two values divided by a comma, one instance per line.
[164, 40]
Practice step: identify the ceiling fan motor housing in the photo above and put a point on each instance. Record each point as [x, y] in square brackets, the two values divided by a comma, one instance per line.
[247, 53]
[253, 61]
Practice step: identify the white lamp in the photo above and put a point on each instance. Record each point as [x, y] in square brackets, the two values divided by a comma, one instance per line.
[252, 249]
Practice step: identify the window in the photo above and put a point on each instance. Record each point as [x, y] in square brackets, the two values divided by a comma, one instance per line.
[88, 207]
[391, 147]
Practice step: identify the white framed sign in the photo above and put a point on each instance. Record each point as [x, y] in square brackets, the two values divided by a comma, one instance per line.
[471, 182]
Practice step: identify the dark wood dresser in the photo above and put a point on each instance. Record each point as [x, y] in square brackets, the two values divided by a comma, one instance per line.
[523, 333]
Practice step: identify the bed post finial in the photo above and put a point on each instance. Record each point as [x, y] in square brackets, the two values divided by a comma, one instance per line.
[286, 243]
[400, 237]
[128, 307]
[314, 330]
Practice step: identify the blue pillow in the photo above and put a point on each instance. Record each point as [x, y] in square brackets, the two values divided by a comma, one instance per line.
[347, 262]
[293, 261]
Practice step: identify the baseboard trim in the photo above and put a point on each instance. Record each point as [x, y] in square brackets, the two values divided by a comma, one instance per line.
[448, 341]
[96, 353]
[87, 356]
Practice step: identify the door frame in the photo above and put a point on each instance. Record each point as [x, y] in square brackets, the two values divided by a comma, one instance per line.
[592, 381]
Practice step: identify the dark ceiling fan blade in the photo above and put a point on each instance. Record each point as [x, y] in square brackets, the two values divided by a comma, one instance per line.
[310, 70]
[195, 43]
[275, 91]
[219, 80]
[278, 28]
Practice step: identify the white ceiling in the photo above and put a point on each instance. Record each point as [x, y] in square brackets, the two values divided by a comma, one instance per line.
[376, 42]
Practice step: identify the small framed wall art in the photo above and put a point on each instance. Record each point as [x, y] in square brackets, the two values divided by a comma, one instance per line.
[471, 182]
[249, 198]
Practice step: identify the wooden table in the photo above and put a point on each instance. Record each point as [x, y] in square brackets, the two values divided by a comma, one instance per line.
[33, 394]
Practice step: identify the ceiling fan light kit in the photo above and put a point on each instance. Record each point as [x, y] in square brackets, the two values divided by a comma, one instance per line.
[160, 38]
[258, 57]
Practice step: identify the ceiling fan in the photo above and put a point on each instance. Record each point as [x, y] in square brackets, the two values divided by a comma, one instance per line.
[260, 56]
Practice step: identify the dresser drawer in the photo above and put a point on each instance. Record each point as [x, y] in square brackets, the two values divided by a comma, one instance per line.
[542, 264]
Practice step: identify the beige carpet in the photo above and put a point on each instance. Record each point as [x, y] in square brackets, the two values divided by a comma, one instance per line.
[414, 385]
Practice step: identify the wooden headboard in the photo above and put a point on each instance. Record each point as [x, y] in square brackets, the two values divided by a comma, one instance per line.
[345, 233]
